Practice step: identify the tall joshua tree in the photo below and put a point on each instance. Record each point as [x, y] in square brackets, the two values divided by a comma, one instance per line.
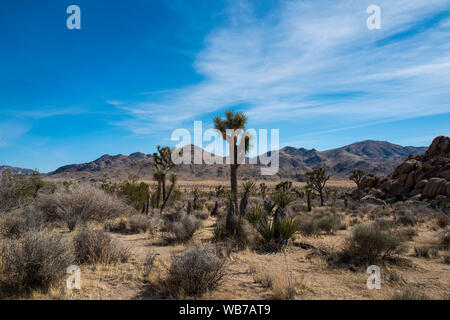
[317, 179]
[231, 127]
[162, 162]
[356, 176]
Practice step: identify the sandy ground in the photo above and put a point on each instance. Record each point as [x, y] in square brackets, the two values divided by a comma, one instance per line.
[316, 279]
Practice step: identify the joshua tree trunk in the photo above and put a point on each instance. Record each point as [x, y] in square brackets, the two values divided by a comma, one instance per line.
[167, 198]
[321, 198]
[164, 190]
[308, 200]
[158, 194]
[231, 218]
[216, 209]
[234, 186]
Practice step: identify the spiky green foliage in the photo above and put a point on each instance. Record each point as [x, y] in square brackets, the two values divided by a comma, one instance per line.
[282, 198]
[255, 214]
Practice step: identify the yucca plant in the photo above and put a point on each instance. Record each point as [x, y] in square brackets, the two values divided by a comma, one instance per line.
[255, 214]
[286, 228]
[266, 229]
[249, 187]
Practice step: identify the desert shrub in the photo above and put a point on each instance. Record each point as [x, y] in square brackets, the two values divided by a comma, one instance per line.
[15, 224]
[406, 220]
[407, 234]
[307, 226]
[35, 261]
[80, 203]
[140, 223]
[255, 214]
[117, 225]
[97, 247]
[425, 251]
[384, 224]
[369, 244]
[409, 293]
[183, 229]
[135, 194]
[328, 224]
[445, 240]
[194, 272]
[18, 189]
[244, 234]
[202, 215]
[447, 258]
[12, 226]
[442, 221]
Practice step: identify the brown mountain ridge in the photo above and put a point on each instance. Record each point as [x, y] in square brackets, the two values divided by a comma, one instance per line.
[377, 157]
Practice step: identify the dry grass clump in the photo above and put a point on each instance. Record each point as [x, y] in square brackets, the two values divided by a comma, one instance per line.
[36, 261]
[194, 272]
[80, 203]
[97, 247]
[182, 228]
[409, 293]
[281, 283]
[136, 223]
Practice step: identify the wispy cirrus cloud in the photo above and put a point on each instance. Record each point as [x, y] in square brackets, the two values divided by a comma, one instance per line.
[304, 60]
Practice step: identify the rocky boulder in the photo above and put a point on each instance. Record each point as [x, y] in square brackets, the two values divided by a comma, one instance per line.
[423, 176]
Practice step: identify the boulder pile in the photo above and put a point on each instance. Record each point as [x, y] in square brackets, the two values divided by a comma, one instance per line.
[424, 176]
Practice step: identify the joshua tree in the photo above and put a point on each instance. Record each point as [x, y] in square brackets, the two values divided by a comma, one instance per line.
[356, 176]
[248, 187]
[160, 176]
[162, 160]
[173, 180]
[308, 191]
[196, 196]
[317, 179]
[231, 127]
[284, 185]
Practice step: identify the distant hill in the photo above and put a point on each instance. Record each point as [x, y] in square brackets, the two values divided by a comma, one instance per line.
[377, 157]
[16, 170]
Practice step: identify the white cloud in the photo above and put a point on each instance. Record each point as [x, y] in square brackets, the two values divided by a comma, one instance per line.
[306, 49]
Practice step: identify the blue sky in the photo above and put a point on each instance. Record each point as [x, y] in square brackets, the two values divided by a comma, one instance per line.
[139, 69]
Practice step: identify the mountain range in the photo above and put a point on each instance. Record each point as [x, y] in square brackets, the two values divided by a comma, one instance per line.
[16, 170]
[377, 157]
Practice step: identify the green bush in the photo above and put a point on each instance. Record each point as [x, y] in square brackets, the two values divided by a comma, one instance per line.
[370, 244]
